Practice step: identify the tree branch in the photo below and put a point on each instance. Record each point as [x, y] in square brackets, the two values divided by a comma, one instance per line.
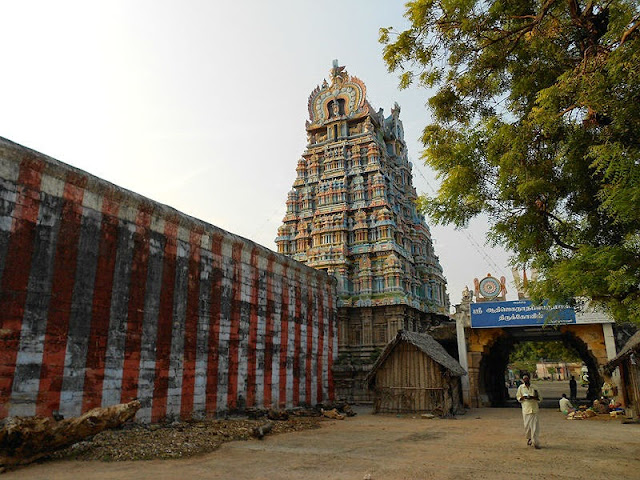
[628, 32]
[567, 110]
[520, 32]
[553, 233]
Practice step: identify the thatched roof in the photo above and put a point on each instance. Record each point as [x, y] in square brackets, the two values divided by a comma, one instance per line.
[633, 345]
[426, 344]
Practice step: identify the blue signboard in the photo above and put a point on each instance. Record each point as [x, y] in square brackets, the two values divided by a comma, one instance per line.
[519, 313]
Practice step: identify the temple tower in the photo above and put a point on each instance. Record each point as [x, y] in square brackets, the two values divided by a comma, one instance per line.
[352, 213]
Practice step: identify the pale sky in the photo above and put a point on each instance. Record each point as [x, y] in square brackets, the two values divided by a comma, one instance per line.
[201, 105]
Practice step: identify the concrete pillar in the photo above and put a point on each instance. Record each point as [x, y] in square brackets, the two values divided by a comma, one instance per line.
[462, 358]
[610, 345]
[474, 359]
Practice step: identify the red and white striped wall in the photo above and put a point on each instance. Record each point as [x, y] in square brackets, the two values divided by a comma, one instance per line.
[106, 296]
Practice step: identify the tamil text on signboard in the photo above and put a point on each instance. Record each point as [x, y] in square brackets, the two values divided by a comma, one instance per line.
[519, 313]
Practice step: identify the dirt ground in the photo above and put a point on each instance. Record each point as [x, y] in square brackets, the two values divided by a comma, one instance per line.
[483, 444]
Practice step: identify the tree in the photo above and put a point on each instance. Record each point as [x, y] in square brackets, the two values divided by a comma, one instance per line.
[526, 355]
[549, 350]
[536, 123]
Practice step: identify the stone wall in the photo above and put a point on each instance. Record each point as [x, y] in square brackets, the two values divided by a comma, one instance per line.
[107, 296]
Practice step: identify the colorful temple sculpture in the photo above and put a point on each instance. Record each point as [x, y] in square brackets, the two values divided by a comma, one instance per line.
[352, 213]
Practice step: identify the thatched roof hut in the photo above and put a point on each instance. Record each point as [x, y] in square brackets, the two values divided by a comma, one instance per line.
[414, 374]
[632, 346]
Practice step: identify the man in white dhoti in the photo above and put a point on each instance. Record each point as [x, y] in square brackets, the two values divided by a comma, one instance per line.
[529, 397]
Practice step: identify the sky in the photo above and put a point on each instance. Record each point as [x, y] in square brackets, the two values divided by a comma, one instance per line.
[201, 105]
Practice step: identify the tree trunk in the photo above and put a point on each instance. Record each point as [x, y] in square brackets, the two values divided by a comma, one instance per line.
[25, 439]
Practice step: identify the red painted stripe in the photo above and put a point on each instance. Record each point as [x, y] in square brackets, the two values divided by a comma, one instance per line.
[191, 327]
[103, 289]
[214, 325]
[135, 314]
[268, 340]
[253, 331]
[330, 320]
[296, 342]
[234, 334]
[165, 321]
[309, 354]
[284, 338]
[15, 281]
[62, 281]
[319, 354]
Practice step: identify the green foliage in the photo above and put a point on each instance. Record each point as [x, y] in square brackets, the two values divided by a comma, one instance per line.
[536, 123]
[525, 355]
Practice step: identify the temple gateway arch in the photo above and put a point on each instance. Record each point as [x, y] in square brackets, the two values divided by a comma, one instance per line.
[487, 332]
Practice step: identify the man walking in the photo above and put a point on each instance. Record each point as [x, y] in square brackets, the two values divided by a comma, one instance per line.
[529, 397]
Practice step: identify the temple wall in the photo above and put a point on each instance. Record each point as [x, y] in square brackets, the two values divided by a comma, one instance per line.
[107, 296]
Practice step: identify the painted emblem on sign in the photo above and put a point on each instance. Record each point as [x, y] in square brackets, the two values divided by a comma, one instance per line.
[490, 287]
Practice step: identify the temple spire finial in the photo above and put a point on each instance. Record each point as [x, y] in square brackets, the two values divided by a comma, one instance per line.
[337, 72]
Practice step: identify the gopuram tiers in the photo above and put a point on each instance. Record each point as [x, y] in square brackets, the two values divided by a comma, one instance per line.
[352, 213]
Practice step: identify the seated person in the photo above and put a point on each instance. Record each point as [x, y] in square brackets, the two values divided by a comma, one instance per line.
[601, 406]
[565, 405]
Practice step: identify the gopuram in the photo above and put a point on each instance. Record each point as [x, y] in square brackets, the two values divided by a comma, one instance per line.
[352, 213]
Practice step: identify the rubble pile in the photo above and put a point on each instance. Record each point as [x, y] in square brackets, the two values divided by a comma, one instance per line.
[107, 434]
[341, 408]
[175, 440]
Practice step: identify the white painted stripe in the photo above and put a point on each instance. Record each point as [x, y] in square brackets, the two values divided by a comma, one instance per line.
[262, 329]
[92, 201]
[116, 340]
[305, 314]
[225, 325]
[127, 212]
[52, 186]
[276, 295]
[176, 357]
[202, 339]
[291, 337]
[157, 224]
[8, 197]
[146, 377]
[314, 342]
[26, 380]
[245, 321]
[72, 390]
[325, 345]
[9, 169]
[334, 323]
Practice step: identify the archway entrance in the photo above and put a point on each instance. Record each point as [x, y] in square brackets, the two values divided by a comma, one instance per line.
[493, 384]
[488, 349]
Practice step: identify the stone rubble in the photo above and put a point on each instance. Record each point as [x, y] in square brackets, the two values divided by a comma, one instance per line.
[175, 440]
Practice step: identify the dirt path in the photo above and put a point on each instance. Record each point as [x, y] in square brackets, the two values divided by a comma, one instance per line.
[483, 444]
